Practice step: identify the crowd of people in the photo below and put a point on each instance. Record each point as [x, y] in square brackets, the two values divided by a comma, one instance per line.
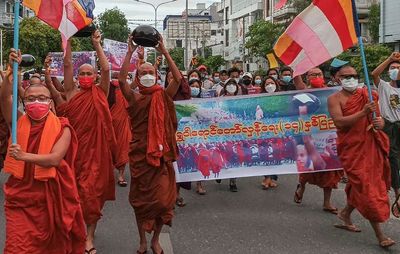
[74, 134]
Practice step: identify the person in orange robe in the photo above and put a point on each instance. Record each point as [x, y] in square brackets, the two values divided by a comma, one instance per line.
[153, 148]
[363, 149]
[88, 111]
[328, 180]
[122, 128]
[42, 206]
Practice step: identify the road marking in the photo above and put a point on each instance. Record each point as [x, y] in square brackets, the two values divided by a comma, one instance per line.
[166, 244]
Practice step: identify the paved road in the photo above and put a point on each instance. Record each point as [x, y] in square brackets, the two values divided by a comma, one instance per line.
[250, 221]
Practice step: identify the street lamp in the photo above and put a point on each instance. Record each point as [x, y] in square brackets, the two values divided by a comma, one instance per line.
[155, 9]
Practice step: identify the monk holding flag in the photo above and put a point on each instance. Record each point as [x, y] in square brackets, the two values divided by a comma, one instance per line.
[87, 109]
[42, 206]
[153, 147]
[363, 149]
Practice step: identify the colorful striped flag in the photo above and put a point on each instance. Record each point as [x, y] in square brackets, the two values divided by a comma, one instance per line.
[273, 63]
[322, 31]
[68, 16]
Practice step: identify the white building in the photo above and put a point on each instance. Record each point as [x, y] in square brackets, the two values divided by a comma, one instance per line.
[238, 16]
[389, 30]
[7, 13]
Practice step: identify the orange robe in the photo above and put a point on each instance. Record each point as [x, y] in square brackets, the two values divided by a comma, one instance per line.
[153, 189]
[45, 216]
[90, 116]
[364, 156]
[4, 135]
[327, 179]
[122, 128]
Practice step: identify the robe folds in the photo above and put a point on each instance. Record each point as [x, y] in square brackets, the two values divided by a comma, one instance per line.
[122, 128]
[364, 155]
[45, 216]
[327, 179]
[90, 116]
[4, 135]
[153, 189]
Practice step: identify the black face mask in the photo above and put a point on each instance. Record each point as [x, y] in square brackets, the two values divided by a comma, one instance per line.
[246, 82]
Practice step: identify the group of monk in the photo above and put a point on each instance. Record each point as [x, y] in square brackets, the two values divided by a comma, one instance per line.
[72, 137]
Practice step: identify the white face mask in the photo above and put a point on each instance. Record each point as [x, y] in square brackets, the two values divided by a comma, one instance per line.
[148, 80]
[350, 84]
[393, 74]
[237, 80]
[274, 76]
[231, 89]
[271, 88]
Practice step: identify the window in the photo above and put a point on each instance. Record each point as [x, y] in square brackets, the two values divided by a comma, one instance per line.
[226, 15]
[213, 32]
[227, 38]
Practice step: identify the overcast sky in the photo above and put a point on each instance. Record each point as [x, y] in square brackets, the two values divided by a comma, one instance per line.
[139, 11]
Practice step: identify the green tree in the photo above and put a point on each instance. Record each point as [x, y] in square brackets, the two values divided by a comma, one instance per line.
[214, 62]
[114, 25]
[177, 55]
[374, 19]
[300, 5]
[262, 36]
[375, 54]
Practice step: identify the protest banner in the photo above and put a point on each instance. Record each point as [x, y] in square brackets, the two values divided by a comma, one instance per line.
[78, 58]
[229, 137]
[116, 52]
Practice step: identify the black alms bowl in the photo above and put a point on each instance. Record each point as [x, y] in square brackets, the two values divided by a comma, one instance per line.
[87, 31]
[27, 61]
[146, 36]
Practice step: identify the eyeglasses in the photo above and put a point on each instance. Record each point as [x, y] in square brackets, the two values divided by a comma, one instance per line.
[314, 75]
[354, 76]
[41, 98]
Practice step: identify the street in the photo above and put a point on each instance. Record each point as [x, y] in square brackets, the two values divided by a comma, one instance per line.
[249, 221]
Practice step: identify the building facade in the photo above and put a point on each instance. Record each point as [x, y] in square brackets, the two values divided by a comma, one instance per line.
[389, 30]
[7, 13]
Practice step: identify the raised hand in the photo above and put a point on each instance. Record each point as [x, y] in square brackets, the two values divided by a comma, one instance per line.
[160, 46]
[15, 56]
[131, 45]
[96, 38]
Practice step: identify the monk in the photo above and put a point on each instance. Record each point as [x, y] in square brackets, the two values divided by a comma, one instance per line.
[153, 147]
[122, 128]
[4, 135]
[363, 149]
[327, 180]
[87, 110]
[42, 206]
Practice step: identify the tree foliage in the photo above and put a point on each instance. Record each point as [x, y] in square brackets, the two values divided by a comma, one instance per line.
[177, 55]
[375, 54]
[214, 62]
[300, 5]
[374, 19]
[262, 36]
[114, 25]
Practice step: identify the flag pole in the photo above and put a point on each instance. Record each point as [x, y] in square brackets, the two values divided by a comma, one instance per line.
[15, 75]
[362, 52]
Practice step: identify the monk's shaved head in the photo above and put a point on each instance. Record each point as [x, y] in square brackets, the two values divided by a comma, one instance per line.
[37, 90]
[86, 70]
[146, 68]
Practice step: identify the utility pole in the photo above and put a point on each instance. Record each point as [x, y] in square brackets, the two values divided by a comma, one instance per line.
[186, 36]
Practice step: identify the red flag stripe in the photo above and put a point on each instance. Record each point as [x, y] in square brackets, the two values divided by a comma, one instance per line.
[291, 53]
[75, 16]
[51, 12]
[336, 16]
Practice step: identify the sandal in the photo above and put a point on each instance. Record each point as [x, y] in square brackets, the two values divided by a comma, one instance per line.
[141, 252]
[387, 243]
[297, 198]
[396, 207]
[154, 252]
[91, 251]
[331, 210]
[122, 183]
[352, 228]
[180, 202]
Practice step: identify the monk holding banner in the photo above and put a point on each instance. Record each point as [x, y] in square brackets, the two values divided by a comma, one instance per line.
[87, 109]
[153, 147]
[42, 206]
[363, 149]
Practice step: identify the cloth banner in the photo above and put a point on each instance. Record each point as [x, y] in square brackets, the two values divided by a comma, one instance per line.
[255, 135]
[116, 52]
[78, 58]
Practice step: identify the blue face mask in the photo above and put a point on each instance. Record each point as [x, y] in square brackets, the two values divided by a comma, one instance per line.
[257, 81]
[195, 91]
[216, 80]
[286, 79]
[393, 74]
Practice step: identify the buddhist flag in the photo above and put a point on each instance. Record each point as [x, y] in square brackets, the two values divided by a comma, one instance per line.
[67, 16]
[280, 4]
[273, 63]
[322, 31]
